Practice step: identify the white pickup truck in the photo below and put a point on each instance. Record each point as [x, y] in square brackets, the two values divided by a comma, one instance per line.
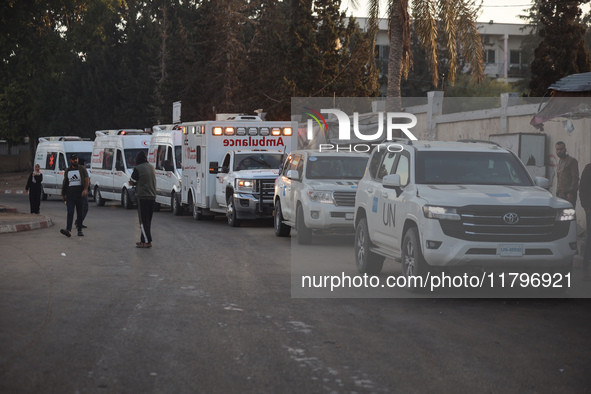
[245, 184]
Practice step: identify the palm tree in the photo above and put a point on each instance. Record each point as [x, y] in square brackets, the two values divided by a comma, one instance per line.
[455, 20]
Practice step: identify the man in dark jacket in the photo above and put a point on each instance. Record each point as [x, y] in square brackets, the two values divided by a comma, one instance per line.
[567, 175]
[74, 190]
[144, 179]
[585, 195]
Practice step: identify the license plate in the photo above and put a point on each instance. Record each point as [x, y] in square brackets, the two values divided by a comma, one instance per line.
[511, 250]
[349, 216]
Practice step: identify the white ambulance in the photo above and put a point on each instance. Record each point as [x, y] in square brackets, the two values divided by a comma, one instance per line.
[230, 166]
[165, 154]
[112, 163]
[52, 155]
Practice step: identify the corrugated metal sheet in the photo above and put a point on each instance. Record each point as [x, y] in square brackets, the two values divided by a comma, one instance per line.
[573, 83]
[14, 151]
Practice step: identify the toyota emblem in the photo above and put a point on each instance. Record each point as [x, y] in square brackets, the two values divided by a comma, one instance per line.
[511, 218]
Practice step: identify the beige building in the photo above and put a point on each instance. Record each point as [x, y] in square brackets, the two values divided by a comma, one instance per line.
[501, 41]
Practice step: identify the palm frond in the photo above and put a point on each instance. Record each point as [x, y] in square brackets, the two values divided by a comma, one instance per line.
[426, 30]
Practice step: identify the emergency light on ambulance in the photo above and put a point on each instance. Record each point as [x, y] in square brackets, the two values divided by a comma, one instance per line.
[263, 131]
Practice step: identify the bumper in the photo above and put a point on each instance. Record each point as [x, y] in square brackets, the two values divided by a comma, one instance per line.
[248, 206]
[328, 217]
[453, 252]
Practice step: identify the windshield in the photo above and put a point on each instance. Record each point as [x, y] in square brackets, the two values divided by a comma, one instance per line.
[257, 161]
[83, 157]
[130, 155]
[470, 168]
[336, 167]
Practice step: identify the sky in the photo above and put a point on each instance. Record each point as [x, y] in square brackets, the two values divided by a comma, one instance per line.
[500, 11]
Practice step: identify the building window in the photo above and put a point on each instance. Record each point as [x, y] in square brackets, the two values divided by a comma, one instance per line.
[515, 58]
[490, 56]
[382, 52]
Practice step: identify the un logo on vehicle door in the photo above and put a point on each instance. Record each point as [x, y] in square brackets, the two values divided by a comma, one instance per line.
[511, 218]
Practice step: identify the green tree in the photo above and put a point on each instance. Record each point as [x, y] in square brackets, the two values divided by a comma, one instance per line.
[562, 49]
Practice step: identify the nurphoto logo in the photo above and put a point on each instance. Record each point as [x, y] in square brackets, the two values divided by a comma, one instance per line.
[392, 119]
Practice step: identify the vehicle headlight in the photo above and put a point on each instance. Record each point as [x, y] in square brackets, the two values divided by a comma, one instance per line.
[565, 215]
[244, 185]
[443, 213]
[319, 196]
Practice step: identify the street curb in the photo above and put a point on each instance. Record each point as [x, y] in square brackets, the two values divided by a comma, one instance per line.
[14, 228]
[6, 209]
[12, 191]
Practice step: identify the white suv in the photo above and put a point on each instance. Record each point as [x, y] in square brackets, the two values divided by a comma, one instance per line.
[458, 205]
[316, 192]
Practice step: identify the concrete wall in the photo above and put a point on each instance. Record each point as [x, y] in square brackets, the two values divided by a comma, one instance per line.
[14, 163]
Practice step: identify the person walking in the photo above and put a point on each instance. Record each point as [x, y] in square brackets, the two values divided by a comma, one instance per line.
[567, 175]
[585, 195]
[82, 163]
[35, 189]
[74, 190]
[144, 180]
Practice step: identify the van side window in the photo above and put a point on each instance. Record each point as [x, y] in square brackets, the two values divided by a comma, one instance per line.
[374, 163]
[198, 153]
[119, 164]
[387, 166]
[178, 156]
[286, 165]
[226, 163]
[51, 160]
[108, 159]
[403, 169]
[168, 163]
[62, 164]
[295, 163]
[160, 158]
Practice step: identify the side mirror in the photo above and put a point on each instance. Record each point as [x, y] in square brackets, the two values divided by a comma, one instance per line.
[214, 167]
[392, 181]
[293, 174]
[542, 182]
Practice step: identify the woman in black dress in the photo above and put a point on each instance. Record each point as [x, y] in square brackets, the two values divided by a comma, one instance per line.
[34, 188]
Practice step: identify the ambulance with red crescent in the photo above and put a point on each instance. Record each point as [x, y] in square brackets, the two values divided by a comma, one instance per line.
[112, 163]
[230, 166]
[165, 154]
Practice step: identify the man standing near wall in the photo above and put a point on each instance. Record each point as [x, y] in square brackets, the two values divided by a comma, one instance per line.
[567, 175]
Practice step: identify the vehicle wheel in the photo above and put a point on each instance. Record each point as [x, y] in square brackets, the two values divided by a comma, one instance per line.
[125, 200]
[304, 233]
[413, 262]
[157, 207]
[98, 198]
[175, 205]
[367, 261]
[231, 213]
[281, 229]
[197, 213]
